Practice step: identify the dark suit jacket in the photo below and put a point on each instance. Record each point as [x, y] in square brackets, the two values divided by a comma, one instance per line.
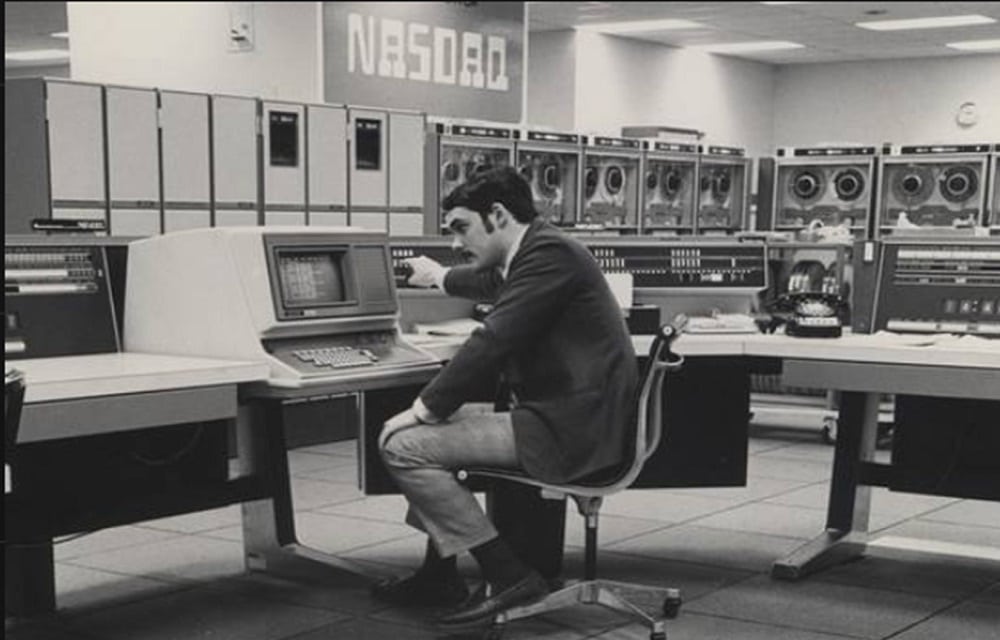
[559, 337]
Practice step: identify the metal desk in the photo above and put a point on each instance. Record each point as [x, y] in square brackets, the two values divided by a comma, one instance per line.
[863, 367]
[69, 400]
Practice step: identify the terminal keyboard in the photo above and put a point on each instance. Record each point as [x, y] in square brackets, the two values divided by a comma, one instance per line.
[362, 353]
[337, 357]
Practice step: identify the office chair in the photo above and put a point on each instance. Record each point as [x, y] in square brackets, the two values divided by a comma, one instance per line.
[13, 400]
[648, 425]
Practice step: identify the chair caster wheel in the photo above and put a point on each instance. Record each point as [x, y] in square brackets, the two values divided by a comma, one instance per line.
[671, 606]
[658, 635]
[494, 632]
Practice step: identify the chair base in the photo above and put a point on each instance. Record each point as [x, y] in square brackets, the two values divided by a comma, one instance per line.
[601, 592]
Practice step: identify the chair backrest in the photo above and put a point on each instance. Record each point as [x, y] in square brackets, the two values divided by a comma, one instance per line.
[649, 411]
[12, 402]
[649, 415]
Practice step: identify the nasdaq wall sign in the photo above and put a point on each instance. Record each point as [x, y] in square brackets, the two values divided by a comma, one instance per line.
[455, 59]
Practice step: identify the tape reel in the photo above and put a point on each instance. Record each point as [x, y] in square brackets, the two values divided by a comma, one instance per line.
[590, 182]
[614, 180]
[652, 181]
[722, 184]
[806, 186]
[958, 183]
[912, 185]
[550, 180]
[849, 184]
[672, 182]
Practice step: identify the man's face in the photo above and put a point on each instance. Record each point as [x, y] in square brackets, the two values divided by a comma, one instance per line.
[472, 239]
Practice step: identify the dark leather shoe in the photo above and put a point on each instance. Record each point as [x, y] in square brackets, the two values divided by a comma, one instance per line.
[421, 589]
[529, 589]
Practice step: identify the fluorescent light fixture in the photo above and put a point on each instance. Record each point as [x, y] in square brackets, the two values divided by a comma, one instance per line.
[640, 26]
[745, 47]
[781, 3]
[976, 45]
[36, 54]
[62, 35]
[938, 22]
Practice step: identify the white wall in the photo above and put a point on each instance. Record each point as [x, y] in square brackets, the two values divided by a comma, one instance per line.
[184, 45]
[551, 84]
[898, 101]
[629, 82]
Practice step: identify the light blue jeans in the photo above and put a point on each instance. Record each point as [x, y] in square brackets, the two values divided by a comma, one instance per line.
[422, 460]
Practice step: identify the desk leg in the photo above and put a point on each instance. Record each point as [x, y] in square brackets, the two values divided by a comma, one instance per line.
[847, 510]
[269, 540]
[29, 579]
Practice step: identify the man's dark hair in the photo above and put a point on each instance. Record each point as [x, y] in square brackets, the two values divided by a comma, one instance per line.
[503, 185]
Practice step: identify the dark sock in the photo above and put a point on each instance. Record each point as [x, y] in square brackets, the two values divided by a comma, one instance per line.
[501, 568]
[436, 566]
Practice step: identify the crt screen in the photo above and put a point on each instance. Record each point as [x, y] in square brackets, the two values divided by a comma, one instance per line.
[311, 278]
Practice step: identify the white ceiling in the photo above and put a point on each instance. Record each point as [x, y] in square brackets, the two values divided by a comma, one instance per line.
[825, 28]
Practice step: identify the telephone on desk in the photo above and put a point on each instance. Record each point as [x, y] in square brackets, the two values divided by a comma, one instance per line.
[810, 314]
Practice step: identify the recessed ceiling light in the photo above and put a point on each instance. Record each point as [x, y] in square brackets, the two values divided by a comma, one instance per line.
[741, 47]
[37, 54]
[937, 22]
[976, 45]
[639, 26]
[62, 35]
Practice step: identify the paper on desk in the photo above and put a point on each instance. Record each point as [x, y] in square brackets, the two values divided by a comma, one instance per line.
[456, 327]
[950, 340]
[955, 341]
[902, 339]
[621, 287]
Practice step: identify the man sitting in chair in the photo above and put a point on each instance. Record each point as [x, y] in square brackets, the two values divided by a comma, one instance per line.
[558, 336]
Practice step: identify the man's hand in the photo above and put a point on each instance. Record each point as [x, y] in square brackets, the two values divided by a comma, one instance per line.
[426, 272]
[402, 420]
